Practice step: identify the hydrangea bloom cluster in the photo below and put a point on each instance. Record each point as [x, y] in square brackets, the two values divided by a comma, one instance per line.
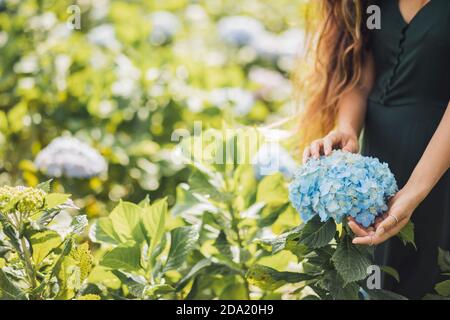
[23, 198]
[342, 184]
[70, 157]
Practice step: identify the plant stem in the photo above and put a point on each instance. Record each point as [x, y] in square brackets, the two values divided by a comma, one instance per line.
[31, 273]
[240, 242]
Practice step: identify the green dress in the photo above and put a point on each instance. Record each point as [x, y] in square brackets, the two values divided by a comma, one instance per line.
[410, 96]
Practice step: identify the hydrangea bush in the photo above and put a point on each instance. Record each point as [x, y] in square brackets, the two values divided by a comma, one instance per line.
[340, 185]
[40, 257]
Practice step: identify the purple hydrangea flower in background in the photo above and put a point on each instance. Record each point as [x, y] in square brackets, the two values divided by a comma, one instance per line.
[340, 185]
[239, 30]
[70, 157]
[272, 158]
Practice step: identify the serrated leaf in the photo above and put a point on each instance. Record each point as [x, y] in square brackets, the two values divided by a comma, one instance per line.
[317, 234]
[182, 241]
[125, 256]
[351, 261]
[444, 260]
[333, 283]
[407, 234]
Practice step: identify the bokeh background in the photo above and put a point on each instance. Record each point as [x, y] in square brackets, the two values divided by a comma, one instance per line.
[131, 74]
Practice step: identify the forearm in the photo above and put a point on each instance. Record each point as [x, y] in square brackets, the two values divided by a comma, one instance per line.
[352, 106]
[434, 162]
[352, 112]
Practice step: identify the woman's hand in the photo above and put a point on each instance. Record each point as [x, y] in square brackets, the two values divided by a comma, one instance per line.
[401, 208]
[333, 140]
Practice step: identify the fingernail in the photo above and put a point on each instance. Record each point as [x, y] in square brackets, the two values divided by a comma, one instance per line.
[380, 231]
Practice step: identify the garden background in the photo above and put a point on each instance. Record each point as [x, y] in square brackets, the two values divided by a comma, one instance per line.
[151, 216]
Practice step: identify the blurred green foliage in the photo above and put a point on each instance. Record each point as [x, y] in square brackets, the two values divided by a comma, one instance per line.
[111, 84]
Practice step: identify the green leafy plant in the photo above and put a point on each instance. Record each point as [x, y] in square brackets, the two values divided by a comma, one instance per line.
[39, 255]
[140, 253]
[232, 208]
[442, 288]
[331, 266]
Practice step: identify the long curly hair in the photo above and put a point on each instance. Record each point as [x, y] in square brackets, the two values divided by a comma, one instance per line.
[337, 52]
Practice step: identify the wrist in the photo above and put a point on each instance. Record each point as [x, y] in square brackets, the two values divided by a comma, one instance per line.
[349, 131]
[415, 192]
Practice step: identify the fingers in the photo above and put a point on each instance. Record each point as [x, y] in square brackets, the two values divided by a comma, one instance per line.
[377, 238]
[328, 143]
[357, 229]
[351, 146]
[387, 224]
[306, 154]
[316, 148]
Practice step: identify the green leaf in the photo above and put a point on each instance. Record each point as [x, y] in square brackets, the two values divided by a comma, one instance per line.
[43, 243]
[103, 231]
[443, 288]
[45, 186]
[268, 278]
[380, 294]
[159, 289]
[8, 289]
[136, 284]
[126, 221]
[182, 241]
[125, 256]
[317, 234]
[407, 234]
[333, 283]
[444, 260]
[272, 190]
[53, 200]
[154, 219]
[193, 272]
[222, 244]
[144, 202]
[200, 183]
[351, 261]
[392, 272]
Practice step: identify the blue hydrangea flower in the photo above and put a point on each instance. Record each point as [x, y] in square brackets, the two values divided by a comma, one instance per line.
[340, 185]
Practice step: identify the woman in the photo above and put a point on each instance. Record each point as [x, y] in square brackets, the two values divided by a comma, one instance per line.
[395, 83]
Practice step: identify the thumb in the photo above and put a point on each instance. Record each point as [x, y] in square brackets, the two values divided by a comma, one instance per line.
[350, 146]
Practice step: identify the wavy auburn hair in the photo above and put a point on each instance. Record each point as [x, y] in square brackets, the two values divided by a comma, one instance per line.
[339, 50]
